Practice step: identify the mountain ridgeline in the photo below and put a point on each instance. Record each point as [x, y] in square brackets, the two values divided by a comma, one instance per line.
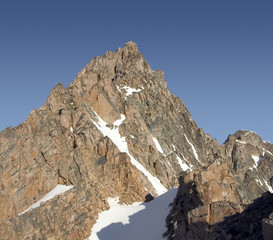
[117, 131]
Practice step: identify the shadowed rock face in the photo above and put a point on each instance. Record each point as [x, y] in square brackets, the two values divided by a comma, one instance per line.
[220, 220]
[247, 224]
[216, 201]
[117, 130]
[267, 226]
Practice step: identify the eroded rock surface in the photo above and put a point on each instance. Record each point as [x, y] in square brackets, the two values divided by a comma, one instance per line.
[117, 131]
[223, 200]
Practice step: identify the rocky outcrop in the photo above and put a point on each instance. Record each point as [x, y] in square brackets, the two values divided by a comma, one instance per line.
[204, 198]
[251, 159]
[216, 202]
[267, 226]
[117, 131]
[248, 224]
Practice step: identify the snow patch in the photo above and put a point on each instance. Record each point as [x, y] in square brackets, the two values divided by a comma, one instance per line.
[186, 160]
[159, 148]
[59, 189]
[193, 149]
[71, 129]
[267, 152]
[268, 187]
[257, 160]
[113, 134]
[129, 91]
[259, 181]
[119, 89]
[184, 166]
[248, 132]
[121, 144]
[134, 222]
[264, 184]
[117, 213]
[238, 141]
[118, 122]
[132, 136]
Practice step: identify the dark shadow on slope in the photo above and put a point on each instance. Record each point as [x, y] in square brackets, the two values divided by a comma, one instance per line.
[148, 223]
[182, 223]
[177, 221]
[112, 231]
[144, 224]
[247, 224]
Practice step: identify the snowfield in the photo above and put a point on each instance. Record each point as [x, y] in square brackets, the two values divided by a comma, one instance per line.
[138, 221]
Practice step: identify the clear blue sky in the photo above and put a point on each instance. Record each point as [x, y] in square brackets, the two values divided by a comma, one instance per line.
[217, 55]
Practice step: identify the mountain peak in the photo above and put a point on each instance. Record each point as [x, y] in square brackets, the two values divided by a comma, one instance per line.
[131, 46]
[117, 132]
[118, 62]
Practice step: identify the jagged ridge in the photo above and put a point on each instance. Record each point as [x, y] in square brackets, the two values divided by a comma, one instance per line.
[115, 131]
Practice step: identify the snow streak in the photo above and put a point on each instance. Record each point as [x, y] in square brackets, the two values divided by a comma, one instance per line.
[59, 189]
[193, 149]
[121, 144]
[159, 148]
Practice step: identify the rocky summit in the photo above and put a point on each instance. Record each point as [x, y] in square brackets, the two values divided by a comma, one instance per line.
[118, 132]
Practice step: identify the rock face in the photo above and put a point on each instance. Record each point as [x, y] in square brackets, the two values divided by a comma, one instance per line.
[267, 225]
[216, 201]
[247, 224]
[117, 130]
[251, 159]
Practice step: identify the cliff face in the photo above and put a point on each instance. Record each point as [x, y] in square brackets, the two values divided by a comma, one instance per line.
[117, 131]
[225, 200]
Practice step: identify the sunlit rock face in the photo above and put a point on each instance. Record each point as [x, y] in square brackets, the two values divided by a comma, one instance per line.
[117, 131]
